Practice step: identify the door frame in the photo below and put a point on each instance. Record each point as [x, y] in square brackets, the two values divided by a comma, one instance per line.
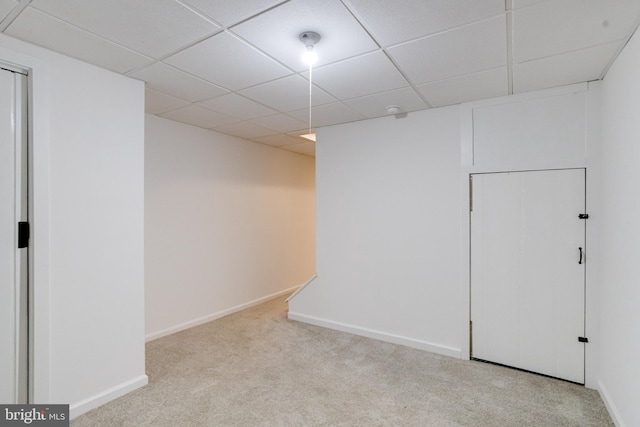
[588, 158]
[39, 215]
[18, 205]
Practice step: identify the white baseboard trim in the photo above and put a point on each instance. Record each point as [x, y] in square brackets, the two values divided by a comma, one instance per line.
[304, 285]
[611, 407]
[214, 316]
[382, 336]
[79, 408]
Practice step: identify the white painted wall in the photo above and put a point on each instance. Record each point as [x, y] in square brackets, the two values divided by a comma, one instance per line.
[88, 189]
[387, 231]
[620, 295]
[228, 223]
[392, 212]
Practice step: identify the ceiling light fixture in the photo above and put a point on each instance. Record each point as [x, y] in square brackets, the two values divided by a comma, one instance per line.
[310, 57]
[309, 38]
[396, 111]
[393, 109]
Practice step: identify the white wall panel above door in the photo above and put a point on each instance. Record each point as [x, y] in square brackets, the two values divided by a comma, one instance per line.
[534, 134]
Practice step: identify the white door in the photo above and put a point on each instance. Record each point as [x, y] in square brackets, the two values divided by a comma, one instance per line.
[13, 261]
[527, 271]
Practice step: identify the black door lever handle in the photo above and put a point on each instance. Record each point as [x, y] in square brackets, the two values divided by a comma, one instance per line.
[580, 260]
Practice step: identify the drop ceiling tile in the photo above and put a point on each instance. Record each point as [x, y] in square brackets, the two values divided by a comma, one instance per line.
[276, 32]
[174, 82]
[519, 4]
[226, 61]
[44, 30]
[574, 67]
[246, 130]
[157, 102]
[466, 50]
[375, 105]
[199, 116]
[6, 6]
[395, 21]
[328, 114]
[152, 27]
[288, 94]
[482, 85]
[555, 27]
[306, 148]
[237, 106]
[279, 140]
[221, 12]
[359, 76]
[281, 123]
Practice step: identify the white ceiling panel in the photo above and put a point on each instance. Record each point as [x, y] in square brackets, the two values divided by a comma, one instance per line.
[574, 67]
[243, 65]
[6, 6]
[236, 64]
[174, 82]
[519, 4]
[276, 32]
[246, 130]
[359, 76]
[281, 123]
[237, 106]
[157, 102]
[466, 50]
[199, 116]
[152, 27]
[555, 27]
[278, 140]
[287, 94]
[306, 148]
[396, 21]
[328, 114]
[375, 105]
[39, 28]
[485, 84]
[221, 12]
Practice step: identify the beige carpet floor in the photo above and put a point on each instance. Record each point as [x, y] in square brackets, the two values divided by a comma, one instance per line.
[257, 368]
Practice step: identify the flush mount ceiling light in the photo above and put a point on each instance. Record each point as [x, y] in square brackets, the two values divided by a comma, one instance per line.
[393, 109]
[309, 38]
[396, 111]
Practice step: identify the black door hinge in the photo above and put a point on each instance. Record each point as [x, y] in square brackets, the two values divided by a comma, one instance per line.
[583, 216]
[583, 339]
[23, 235]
